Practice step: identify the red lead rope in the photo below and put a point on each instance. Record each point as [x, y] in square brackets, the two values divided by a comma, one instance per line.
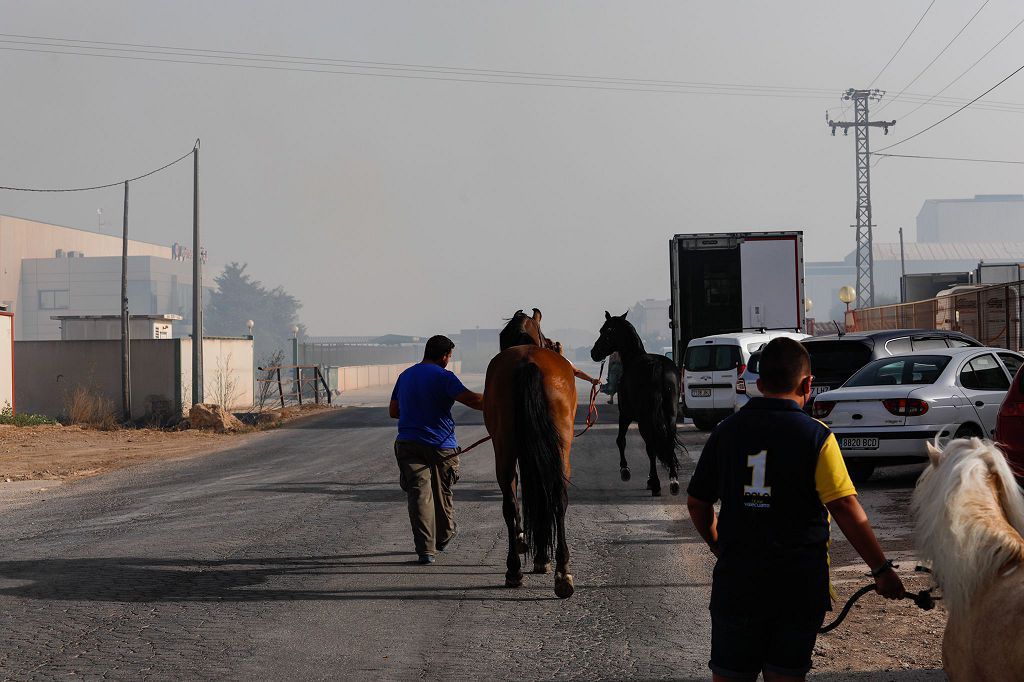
[591, 416]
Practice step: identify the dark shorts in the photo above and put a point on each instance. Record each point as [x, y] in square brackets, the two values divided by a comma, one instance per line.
[742, 645]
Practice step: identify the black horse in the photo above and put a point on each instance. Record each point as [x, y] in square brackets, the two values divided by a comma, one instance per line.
[648, 395]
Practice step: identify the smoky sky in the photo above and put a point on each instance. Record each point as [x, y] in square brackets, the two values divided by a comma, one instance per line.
[417, 206]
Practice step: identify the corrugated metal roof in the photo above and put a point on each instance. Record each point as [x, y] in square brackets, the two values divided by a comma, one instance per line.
[917, 251]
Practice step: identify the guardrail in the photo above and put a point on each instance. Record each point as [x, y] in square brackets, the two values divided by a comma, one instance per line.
[274, 378]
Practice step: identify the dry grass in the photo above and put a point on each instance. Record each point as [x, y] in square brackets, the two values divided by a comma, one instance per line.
[85, 406]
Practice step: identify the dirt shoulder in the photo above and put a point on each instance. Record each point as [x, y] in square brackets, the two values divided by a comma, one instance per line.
[63, 453]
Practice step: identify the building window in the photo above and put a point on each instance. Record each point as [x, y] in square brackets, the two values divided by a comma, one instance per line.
[59, 299]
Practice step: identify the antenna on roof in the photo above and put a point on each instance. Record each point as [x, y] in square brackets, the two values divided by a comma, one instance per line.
[839, 331]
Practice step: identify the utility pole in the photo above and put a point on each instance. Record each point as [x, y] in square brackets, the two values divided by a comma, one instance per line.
[861, 124]
[903, 271]
[197, 287]
[126, 363]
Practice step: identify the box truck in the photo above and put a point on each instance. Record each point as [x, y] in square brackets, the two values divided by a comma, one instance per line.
[734, 282]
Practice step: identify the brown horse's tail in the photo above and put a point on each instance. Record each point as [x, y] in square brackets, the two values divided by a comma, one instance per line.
[539, 449]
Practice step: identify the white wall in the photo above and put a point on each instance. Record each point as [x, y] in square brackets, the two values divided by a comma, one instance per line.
[6, 360]
[227, 372]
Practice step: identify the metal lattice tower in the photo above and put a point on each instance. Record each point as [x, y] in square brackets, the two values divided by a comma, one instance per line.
[861, 125]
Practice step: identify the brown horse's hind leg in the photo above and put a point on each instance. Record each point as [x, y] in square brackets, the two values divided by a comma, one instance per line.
[563, 579]
[510, 510]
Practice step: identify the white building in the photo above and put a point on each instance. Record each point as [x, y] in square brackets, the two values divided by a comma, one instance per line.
[985, 218]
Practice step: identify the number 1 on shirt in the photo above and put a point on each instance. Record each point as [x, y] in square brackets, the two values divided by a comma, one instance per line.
[758, 463]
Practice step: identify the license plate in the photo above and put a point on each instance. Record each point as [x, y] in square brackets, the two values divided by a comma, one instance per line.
[700, 392]
[858, 443]
[818, 390]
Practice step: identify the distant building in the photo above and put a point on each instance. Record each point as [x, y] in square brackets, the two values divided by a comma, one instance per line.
[48, 270]
[985, 218]
[650, 317]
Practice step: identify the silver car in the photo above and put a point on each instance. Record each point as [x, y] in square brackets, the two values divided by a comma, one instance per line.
[889, 409]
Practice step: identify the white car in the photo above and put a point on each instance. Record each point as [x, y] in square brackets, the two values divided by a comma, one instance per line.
[746, 384]
[711, 366]
[892, 407]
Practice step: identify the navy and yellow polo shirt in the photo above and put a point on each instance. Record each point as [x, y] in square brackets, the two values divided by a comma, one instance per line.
[774, 468]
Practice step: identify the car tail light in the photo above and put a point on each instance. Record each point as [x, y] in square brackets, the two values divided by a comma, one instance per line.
[1012, 410]
[822, 408]
[906, 407]
[740, 370]
[741, 385]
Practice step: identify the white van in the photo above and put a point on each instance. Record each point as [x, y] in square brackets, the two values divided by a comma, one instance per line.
[710, 369]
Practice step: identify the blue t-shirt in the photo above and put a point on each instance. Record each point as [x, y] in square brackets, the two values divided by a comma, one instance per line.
[425, 393]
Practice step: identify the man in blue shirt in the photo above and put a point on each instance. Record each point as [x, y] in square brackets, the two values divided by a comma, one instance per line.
[426, 449]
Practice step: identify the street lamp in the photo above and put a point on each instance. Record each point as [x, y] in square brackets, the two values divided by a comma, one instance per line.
[295, 359]
[250, 324]
[847, 295]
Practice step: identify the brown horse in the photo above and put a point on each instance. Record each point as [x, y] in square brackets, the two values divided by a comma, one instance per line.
[522, 329]
[529, 406]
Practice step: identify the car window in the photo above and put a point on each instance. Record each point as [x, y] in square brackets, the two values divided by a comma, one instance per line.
[898, 371]
[929, 344]
[712, 358]
[1012, 361]
[754, 363]
[897, 346]
[834, 361]
[959, 343]
[983, 373]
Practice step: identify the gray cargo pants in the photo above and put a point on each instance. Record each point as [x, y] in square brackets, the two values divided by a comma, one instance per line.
[427, 474]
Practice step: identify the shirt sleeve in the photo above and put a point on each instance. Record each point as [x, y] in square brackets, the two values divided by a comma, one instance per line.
[453, 385]
[830, 476]
[704, 482]
[394, 392]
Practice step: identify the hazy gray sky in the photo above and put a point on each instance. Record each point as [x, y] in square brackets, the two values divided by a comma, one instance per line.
[391, 204]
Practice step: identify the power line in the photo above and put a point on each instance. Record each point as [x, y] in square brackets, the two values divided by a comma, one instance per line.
[946, 118]
[941, 52]
[276, 62]
[927, 9]
[119, 183]
[964, 73]
[948, 158]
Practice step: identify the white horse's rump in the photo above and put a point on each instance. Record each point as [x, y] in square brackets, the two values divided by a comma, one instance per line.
[970, 521]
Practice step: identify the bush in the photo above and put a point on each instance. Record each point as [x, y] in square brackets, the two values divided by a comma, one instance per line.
[87, 407]
[7, 416]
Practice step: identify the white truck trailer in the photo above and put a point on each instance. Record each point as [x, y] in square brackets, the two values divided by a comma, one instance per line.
[733, 282]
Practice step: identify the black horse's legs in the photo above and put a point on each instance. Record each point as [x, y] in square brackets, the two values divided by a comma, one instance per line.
[653, 482]
[510, 510]
[563, 579]
[620, 441]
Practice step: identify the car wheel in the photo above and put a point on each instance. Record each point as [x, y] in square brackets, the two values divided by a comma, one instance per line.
[968, 431]
[860, 472]
[704, 424]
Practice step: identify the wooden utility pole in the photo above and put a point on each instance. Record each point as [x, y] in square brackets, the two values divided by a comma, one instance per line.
[126, 378]
[197, 287]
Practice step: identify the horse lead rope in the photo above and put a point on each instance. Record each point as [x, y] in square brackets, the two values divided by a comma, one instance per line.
[591, 417]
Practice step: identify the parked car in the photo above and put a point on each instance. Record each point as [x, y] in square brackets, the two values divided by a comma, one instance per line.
[711, 366]
[835, 358]
[888, 411]
[1010, 425]
[746, 384]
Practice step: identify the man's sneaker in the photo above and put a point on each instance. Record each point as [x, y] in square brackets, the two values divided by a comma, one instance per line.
[426, 558]
[441, 547]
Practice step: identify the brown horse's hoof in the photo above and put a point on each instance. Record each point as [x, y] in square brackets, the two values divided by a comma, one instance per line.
[624, 473]
[563, 586]
[514, 581]
[674, 487]
[521, 547]
[544, 568]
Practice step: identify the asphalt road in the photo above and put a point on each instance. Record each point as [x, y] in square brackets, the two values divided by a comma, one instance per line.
[292, 557]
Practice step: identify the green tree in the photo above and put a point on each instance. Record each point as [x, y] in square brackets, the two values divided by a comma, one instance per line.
[239, 298]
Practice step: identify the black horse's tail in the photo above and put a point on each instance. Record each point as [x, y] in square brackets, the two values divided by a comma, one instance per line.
[539, 450]
[664, 409]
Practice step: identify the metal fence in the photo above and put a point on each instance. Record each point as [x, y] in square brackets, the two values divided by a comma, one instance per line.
[992, 314]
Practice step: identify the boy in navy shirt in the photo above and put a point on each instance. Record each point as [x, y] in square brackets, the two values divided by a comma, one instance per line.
[426, 448]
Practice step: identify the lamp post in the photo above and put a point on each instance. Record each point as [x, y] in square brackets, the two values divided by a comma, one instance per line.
[249, 325]
[847, 295]
[295, 360]
[808, 306]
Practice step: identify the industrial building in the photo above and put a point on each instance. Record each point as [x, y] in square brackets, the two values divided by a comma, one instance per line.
[49, 270]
